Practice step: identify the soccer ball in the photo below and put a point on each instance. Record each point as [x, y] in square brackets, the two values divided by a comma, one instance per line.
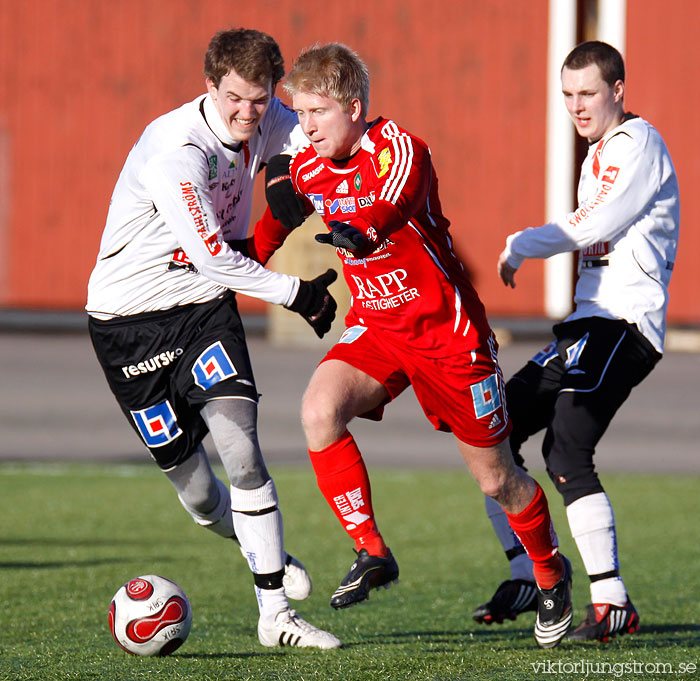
[150, 615]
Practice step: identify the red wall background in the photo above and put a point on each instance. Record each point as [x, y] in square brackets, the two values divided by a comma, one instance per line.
[79, 80]
[663, 58]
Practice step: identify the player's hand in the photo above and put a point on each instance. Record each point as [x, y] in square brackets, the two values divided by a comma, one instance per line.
[505, 271]
[241, 245]
[343, 235]
[314, 302]
[285, 204]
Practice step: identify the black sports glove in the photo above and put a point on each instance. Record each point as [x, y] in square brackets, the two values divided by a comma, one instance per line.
[343, 235]
[240, 245]
[315, 304]
[285, 204]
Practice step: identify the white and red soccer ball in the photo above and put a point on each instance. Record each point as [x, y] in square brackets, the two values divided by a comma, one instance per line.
[150, 615]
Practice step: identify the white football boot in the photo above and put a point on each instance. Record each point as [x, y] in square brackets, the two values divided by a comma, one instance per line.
[288, 629]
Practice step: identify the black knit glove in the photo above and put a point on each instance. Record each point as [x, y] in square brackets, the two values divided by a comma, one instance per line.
[343, 235]
[314, 302]
[285, 204]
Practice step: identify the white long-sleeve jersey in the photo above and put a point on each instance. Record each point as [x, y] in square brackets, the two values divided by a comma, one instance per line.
[625, 229]
[185, 189]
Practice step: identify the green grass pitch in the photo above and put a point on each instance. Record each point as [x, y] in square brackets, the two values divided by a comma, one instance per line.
[72, 534]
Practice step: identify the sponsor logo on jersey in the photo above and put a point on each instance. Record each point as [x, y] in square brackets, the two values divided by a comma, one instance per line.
[213, 167]
[317, 200]
[611, 173]
[213, 366]
[162, 359]
[486, 397]
[179, 260]
[596, 250]
[384, 291]
[344, 205]
[350, 259]
[227, 188]
[343, 188]
[596, 158]
[358, 182]
[227, 215]
[384, 159]
[194, 204]
[607, 182]
[366, 201]
[157, 424]
[313, 173]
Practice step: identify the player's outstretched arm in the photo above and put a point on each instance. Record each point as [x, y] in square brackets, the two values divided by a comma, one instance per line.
[315, 303]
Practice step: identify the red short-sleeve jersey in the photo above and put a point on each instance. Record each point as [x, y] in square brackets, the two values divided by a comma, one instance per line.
[412, 286]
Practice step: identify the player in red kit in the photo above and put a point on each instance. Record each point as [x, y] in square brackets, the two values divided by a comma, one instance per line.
[415, 320]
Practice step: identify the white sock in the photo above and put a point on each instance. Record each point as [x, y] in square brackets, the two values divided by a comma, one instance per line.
[592, 524]
[261, 539]
[520, 563]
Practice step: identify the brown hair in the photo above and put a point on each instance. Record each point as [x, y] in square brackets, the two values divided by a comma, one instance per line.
[608, 59]
[331, 70]
[253, 55]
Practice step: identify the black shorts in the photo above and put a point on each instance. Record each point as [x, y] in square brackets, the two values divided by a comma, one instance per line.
[572, 389]
[163, 366]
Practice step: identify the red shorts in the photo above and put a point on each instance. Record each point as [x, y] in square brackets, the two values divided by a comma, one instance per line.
[463, 394]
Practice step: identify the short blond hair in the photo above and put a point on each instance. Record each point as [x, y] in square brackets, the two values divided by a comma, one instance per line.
[332, 70]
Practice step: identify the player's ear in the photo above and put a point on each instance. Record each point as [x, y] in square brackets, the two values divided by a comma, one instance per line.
[355, 109]
[618, 90]
[211, 88]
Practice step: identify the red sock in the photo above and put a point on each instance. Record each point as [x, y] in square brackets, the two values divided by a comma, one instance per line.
[534, 528]
[343, 481]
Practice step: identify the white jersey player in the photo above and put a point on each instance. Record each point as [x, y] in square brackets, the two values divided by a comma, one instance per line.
[163, 318]
[625, 230]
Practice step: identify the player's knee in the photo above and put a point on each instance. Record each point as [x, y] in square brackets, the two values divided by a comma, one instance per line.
[319, 416]
[200, 500]
[249, 476]
[495, 483]
[573, 480]
[243, 461]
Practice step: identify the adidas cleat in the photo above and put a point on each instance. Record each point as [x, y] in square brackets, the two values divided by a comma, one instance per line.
[288, 629]
[513, 597]
[367, 572]
[554, 610]
[296, 580]
[605, 621]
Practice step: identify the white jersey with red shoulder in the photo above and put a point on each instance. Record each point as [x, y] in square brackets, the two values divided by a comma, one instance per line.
[625, 228]
[412, 286]
[186, 189]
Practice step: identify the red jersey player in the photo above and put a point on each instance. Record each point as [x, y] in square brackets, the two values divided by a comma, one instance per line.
[415, 320]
